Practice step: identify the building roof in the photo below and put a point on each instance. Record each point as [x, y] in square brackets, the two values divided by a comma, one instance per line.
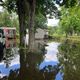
[7, 28]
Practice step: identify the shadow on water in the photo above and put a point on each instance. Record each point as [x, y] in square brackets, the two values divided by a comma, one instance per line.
[29, 67]
[69, 57]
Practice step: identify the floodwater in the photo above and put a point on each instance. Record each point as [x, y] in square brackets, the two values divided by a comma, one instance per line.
[51, 56]
[11, 61]
[69, 58]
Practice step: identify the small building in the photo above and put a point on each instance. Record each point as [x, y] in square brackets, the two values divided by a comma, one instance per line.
[40, 37]
[8, 36]
[41, 33]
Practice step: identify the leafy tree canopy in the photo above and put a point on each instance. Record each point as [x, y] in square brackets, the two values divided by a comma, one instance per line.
[67, 3]
[42, 6]
[70, 20]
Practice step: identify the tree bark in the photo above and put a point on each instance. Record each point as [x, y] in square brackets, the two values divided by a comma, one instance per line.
[22, 33]
[32, 6]
[22, 29]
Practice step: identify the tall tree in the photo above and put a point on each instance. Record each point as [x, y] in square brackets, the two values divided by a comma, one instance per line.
[27, 8]
[42, 6]
[70, 20]
[32, 6]
[19, 7]
[22, 29]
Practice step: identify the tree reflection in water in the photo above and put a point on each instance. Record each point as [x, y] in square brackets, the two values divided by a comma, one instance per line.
[29, 67]
[69, 57]
[32, 71]
[9, 55]
[47, 73]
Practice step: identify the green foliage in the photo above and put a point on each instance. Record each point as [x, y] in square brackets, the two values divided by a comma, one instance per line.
[5, 19]
[52, 30]
[40, 21]
[47, 7]
[42, 6]
[70, 20]
[10, 5]
[55, 31]
[67, 3]
[8, 20]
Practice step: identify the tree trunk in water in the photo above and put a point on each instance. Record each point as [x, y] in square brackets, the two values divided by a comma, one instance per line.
[22, 30]
[31, 26]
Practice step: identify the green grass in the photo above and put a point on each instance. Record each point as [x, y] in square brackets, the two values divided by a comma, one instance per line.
[61, 38]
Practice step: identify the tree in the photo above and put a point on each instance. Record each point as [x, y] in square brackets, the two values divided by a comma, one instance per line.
[70, 20]
[9, 20]
[28, 9]
[67, 3]
[40, 21]
[44, 7]
[32, 7]
[5, 19]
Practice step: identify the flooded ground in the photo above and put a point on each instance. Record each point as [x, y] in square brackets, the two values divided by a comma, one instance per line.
[69, 58]
[49, 59]
[51, 56]
[11, 61]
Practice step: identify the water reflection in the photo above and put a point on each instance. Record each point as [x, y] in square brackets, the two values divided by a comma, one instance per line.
[69, 57]
[8, 56]
[35, 65]
[10, 61]
[51, 57]
[33, 70]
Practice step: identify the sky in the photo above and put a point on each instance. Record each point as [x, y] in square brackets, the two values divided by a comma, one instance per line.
[53, 22]
[0, 8]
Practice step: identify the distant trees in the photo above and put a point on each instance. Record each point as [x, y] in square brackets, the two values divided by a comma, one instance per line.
[52, 30]
[8, 20]
[40, 21]
[70, 20]
[70, 16]
[5, 19]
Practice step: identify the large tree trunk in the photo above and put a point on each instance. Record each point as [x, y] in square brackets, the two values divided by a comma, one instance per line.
[22, 33]
[22, 30]
[32, 5]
